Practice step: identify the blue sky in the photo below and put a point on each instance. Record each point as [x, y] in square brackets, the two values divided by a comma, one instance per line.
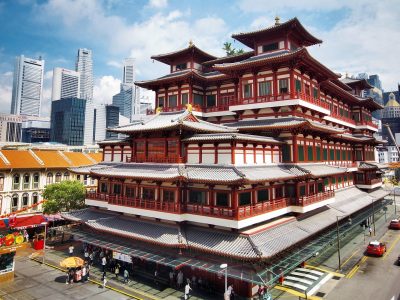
[360, 36]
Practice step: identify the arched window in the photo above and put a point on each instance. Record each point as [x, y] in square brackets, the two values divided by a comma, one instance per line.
[36, 178]
[85, 179]
[1, 182]
[26, 181]
[25, 199]
[58, 177]
[66, 176]
[49, 179]
[35, 200]
[14, 202]
[16, 182]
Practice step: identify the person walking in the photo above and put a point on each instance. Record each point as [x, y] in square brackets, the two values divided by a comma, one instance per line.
[71, 250]
[84, 273]
[171, 277]
[91, 258]
[116, 270]
[370, 231]
[104, 280]
[179, 279]
[126, 275]
[104, 263]
[187, 290]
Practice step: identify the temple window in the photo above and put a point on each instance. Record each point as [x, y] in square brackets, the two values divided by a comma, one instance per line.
[49, 179]
[262, 195]
[168, 196]
[270, 47]
[197, 197]
[27, 179]
[172, 147]
[247, 90]
[264, 88]
[283, 86]
[325, 154]
[161, 101]
[103, 187]
[58, 177]
[320, 187]
[307, 89]
[318, 151]
[358, 155]
[66, 176]
[182, 66]
[156, 148]
[298, 85]
[130, 192]
[310, 154]
[331, 154]
[286, 155]
[302, 190]
[185, 98]
[117, 189]
[244, 198]
[148, 194]
[300, 150]
[172, 100]
[198, 99]
[290, 191]
[337, 154]
[315, 92]
[278, 192]
[222, 199]
[211, 100]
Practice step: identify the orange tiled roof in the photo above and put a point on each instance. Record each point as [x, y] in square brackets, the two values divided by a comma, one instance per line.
[96, 156]
[21, 159]
[52, 159]
[78, 159]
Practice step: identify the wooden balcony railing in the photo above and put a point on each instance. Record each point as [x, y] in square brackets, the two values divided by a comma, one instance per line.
[369, 181]
[154, 159]
[262, 207]
[343, 118]
[368, 123]
[307, 200]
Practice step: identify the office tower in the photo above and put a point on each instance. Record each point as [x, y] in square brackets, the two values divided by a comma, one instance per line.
[66, 84]
[84, 65]
[67, 121]
[128, 76]
[27, 86]
[98, 118]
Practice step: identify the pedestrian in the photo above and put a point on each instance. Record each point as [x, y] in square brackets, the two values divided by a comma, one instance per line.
[179, 279]
[260, 292]
[194, 281]
[71, 276]
[156, 277]
[187, 290]
[87, 272]
[104, 280]
[171, 277]
[126, 275]
[116, 270]
[86, 255]
[84, 273]
[231, 293]
[71, 250]
[91, 258]
[67, 279]
[26, 236]
[104, 263]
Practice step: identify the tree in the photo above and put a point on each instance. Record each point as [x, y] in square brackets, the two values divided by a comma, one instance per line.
[63, 196]
[230, 50]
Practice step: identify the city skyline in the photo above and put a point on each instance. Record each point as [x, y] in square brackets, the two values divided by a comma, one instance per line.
[354, 35]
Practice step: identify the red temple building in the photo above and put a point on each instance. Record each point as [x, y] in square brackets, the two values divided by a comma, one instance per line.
[247, 159]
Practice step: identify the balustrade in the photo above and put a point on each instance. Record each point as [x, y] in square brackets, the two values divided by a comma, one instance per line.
[307, 200]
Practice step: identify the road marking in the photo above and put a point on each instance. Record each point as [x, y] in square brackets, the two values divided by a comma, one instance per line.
[296, 293]
[354, 270]
[391, 247]
[347, 260]
[325, 270]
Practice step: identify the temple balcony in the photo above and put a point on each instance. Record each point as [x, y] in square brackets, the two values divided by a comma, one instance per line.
[154, 159]
[369, 183]
[366, 125]
[242, 216]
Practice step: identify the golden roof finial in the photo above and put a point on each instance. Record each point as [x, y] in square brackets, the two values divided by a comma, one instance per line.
[189, 107]
[277, 21]
[346, 75]
[191, 43]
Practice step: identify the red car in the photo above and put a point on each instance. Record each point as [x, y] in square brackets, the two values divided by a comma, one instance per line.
[394, 224]
[376, 248]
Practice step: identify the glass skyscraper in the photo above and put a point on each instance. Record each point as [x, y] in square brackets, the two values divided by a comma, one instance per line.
[68, 121]
[84, 65]
[27, 86]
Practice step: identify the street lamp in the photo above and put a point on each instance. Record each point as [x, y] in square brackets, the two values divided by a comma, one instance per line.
[373, 216]
[44, 241]
[338, 238]
[394, 195]
[225, 266]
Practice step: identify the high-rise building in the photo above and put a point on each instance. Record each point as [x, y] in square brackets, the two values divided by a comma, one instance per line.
[66, 84]
[128, 76]
[84, 65]
[98, 118]
[68, 121]
[27, 86]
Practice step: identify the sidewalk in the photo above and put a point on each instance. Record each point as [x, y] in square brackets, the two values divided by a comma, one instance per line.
[140, 287]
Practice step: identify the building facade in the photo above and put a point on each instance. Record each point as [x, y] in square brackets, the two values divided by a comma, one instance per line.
[66, 84]
[68, 121]
[27, 86]
[25, 173]
[36, 131]
[84, 65]
[241, 155]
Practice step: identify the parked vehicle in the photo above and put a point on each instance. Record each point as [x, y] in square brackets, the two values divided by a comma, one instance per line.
[394, 224]
[376, 248]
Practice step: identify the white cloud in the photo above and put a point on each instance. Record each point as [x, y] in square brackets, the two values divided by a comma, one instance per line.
[158, 3]
[261, 22]
[114, 63]
[105, 88]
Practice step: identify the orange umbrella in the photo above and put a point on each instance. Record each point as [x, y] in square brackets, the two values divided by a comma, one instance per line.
[72, 262]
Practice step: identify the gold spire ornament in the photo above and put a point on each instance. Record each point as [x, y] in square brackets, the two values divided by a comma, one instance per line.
[189, 107]
[277, 21]
[191, 43]
[158, 110]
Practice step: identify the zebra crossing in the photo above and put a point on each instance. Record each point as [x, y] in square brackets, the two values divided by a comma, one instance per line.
[305, 280]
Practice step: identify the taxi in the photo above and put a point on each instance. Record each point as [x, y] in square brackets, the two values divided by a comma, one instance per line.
[394, 224]
[376, 248]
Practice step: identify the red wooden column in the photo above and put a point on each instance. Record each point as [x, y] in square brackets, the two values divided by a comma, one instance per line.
[158, 200]
[179, 196]
[137, 192]
[275, 84]
[292, 86]
[314, 150]
[211, 195]
[235, 203]
[215, 153]
[122, 153]
[132, 150]
[190, 100]
[145, 149]
[166, 104]
[263, 152]
[236, 100]
[255, 153]
[240, 94]
[233, 146]
[218, 101]
[112, 152]
[179, 100]
[200, 153]
[244, 153]
[295, 149]
[255, 86]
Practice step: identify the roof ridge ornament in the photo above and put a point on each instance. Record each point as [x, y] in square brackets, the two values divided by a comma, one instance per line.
[189, 107]
[277, 21]
[191, 44]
